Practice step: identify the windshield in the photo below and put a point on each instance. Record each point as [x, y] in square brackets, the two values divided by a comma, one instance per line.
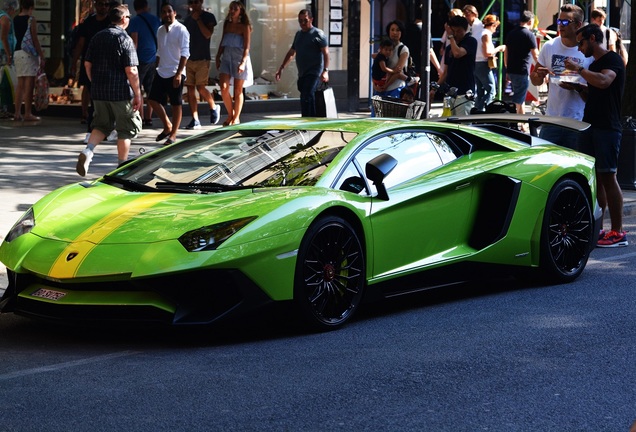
[247, 158]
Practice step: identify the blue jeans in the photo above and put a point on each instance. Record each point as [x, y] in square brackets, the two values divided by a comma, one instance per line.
[485, 81]
[307, 86]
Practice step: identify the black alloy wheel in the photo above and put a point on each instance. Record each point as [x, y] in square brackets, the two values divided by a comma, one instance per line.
[330, 274]
[567, 235]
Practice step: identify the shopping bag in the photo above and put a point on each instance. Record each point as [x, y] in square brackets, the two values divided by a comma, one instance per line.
[7, 86]
[41, 97]
[326, 102]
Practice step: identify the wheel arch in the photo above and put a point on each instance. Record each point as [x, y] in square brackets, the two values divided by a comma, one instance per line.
[349, 216]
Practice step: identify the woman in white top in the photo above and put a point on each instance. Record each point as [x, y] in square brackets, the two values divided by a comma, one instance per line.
[487, 88]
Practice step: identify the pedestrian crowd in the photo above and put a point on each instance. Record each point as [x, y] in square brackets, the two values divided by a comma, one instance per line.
[123, 58]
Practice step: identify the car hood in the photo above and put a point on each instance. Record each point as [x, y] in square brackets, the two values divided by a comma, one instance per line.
[104, 214]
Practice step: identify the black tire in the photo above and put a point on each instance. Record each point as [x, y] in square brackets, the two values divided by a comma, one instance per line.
[330, 274]
[567, 233]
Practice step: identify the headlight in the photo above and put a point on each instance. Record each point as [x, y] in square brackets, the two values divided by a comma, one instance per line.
[211, 237]
[22, 226]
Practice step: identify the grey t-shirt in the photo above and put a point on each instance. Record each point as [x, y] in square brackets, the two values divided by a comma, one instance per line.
[308, 46]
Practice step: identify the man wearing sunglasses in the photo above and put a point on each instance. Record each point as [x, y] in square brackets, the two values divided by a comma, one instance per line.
[551, 67]
[603, 98]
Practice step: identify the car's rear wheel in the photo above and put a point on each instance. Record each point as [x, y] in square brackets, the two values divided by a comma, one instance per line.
[567, 232]
[330, 274]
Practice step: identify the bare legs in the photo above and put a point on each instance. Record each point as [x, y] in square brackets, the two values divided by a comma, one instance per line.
[170, 128]
[610, 196]
[24, 94]
[234, 106]
[194, 102]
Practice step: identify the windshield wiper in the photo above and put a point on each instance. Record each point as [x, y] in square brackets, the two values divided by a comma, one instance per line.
[200, 187]
[128, 184]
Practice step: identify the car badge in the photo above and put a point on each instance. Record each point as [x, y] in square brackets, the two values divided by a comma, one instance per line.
[71, 256]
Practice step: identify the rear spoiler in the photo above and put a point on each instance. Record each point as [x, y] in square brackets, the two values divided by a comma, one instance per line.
[533, 121]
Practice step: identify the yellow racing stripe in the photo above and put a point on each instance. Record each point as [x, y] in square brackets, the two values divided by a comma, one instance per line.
[80, 248]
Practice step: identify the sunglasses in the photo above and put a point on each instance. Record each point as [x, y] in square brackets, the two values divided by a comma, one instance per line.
[303, 21]
[564, 22]
[193, 1]
[580, 43]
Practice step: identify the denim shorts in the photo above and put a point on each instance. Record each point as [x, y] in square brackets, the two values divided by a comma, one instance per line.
[604, 145]
[520, 83]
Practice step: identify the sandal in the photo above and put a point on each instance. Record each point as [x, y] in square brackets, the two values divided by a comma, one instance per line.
[162, 135]
[32, 118]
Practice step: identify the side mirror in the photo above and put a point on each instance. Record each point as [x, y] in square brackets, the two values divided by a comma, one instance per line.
[377, 169]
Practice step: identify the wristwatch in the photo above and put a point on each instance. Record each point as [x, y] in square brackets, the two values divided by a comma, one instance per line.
[325, 70]
[580, 70]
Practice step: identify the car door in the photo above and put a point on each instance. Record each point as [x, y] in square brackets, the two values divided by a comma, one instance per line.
[427, 218]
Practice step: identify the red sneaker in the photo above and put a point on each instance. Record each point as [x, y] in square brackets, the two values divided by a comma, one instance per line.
[613, 239]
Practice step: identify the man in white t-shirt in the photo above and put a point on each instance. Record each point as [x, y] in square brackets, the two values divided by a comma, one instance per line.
[597, 16]
[476, 28]
[551, 64]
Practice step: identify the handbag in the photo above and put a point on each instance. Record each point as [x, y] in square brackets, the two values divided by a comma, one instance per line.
[41, 97]
[326, 102]
[492, 62]
[27, 41]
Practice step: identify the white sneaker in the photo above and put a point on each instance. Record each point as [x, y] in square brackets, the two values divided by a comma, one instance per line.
[112, 136]
[83, 161]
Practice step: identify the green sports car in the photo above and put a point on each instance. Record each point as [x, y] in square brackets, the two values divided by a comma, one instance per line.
[315, 213]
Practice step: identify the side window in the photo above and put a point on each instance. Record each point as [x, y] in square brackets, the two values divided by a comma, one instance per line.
[416, 153]
[351, 181]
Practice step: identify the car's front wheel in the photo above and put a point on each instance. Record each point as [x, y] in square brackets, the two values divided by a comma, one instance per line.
[330, 273]
[567, 233]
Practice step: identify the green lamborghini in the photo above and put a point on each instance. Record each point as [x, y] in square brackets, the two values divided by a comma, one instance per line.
[315, 213]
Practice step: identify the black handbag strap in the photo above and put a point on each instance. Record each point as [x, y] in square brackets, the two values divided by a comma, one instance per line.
[153, 33]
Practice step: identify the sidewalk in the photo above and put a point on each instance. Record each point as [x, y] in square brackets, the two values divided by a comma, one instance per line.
[38, 158]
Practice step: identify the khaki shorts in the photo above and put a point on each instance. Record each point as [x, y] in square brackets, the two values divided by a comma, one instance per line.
[117, 115]
[197, 72]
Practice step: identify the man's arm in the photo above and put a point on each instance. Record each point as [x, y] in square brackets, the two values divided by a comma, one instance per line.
[290, 54]
[206, 28]
[458, 52]
[88, 66]
[135, 38]
[133, 78]
[324, 76]
[539, 74]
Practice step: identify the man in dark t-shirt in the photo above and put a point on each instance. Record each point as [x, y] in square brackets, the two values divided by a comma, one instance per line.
[460, 63]
[603, 97]
[521, 49]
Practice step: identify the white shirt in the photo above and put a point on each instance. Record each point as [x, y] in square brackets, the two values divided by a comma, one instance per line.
[476, 30]
[562, 102]
[172, 44]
